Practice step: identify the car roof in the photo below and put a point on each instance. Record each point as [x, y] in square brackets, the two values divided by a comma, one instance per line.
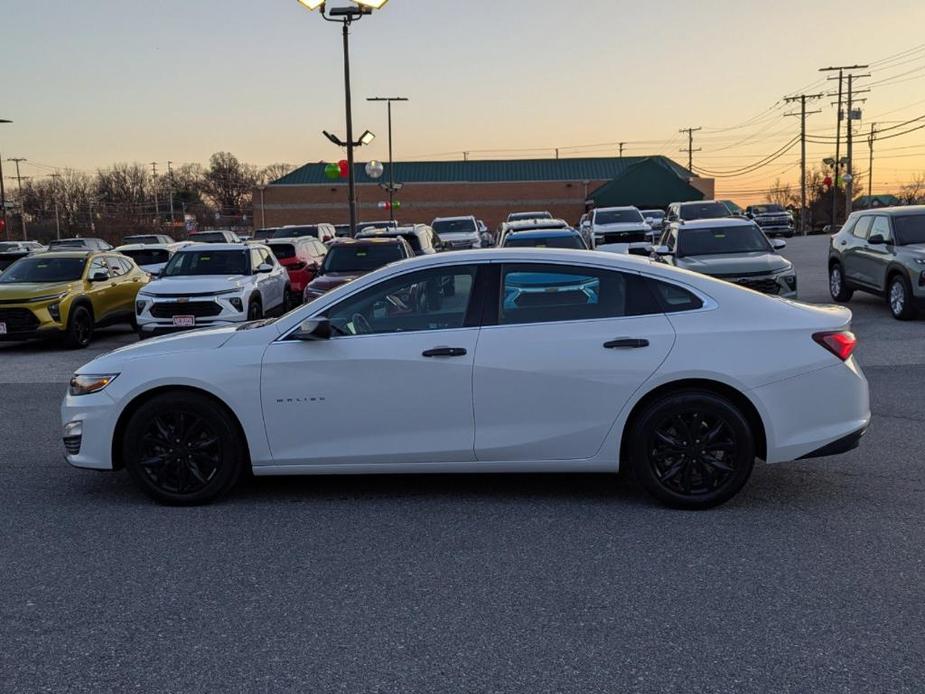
[74, 254]
[451, 219]
[616, 209]
[392, 231]
[898, 211]
[218, 247]
[699, 202]
[543, 234]
[144, 246]
[524, 224]
[721, 222]
[369, 241]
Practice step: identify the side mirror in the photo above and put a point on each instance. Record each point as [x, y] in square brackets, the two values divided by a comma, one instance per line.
[313, 330]
[876, 240]
[264, 268]
[662, 250]
[778, 244]
[101, 276]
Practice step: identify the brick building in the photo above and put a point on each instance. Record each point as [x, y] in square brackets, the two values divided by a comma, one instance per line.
[487, 189]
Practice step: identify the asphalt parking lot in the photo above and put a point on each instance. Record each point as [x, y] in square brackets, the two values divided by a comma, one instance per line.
[810, 580]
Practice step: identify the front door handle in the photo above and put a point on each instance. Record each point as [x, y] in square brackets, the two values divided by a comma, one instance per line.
[626, 343]
[444, 352]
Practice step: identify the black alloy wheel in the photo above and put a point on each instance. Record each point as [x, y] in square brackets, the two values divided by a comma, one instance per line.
[183, 449]
[692, 450]
[79, 328]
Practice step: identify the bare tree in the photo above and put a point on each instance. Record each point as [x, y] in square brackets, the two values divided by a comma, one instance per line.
[782, 194]
[127, 190]
[913, 191]
[274, 172]
[229, 183]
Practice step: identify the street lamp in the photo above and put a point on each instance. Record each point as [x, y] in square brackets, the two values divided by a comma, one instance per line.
[390, 187]
[346, 16]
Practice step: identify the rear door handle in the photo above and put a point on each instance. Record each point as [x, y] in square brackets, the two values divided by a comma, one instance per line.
[626, 343]
[444, 352]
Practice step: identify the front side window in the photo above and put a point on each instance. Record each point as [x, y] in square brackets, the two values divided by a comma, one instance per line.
[881, 225]
[115, 267]
[534, 293]
[434, 299]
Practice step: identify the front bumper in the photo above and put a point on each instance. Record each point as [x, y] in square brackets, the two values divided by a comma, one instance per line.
[28, 321]
[96, 416]
[784, 285]
[158, 315]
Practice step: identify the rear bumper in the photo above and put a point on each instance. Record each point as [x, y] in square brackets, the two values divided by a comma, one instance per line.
[842, 445]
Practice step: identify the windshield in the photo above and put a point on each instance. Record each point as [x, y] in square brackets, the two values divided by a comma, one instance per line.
[617, 217]
[767, 209]
[520, 216]
[455, 226]
[909, 229]
[572, 241]
[295, 232]
[282, 251]
[208, 237]
[148, 256]
[70, 243]
[44, 269]
[208, 263]
[720, 240]
[704, 210]
[361, 257]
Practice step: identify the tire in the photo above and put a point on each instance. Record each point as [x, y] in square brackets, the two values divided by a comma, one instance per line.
[174, 426]
[79, 331]
[254, 310]
[899, 298]
[291, 300]
[837, 287]
[692, 450]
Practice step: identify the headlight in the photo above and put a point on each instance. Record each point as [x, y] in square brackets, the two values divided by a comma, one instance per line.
[54, 310]
[226, 291]
[84, 384]
[919, 261]
[51, 297]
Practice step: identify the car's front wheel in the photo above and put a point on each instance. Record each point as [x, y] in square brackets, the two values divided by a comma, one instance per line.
[79, 328]
[899, 295]
[692, 449]
[183, 449]
[837, 288]
[254, 310]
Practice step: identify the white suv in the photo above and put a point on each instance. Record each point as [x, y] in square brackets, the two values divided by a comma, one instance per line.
[212, 284]
[458, 233]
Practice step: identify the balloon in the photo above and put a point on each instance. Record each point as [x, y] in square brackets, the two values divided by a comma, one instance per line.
[827, 181]
[344, 167]
[331, 171]
[374, 169]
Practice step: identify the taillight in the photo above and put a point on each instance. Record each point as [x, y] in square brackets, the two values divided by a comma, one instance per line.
[841, 343]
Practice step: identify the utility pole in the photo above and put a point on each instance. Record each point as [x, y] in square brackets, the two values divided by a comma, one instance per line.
[55, 177]
[170, 189]
[3, 193]
[690, 147]
[465, 156]
[870, 166]
[841, 75]
[22, 210]
[157, 207]
[621, 148]
[803, 113]
[391, 184]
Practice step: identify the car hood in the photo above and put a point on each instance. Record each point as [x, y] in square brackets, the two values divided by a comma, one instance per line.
[30, 290]
[194, 285]
[916, 250]
[623, 226]
[153, 268]
[330, 280]
[731, 264]
[206, 338]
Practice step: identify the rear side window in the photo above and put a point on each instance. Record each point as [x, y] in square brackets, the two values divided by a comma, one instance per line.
[553, 293]
[674, 298]
[862, 228]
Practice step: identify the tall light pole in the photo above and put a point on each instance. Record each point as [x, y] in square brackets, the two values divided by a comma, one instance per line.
[390, 186]
[56, 178]
[3, 190]
[346, 16]
[22, 209]
[263, 212]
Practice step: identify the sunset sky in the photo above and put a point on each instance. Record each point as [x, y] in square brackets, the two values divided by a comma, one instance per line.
[100, 81]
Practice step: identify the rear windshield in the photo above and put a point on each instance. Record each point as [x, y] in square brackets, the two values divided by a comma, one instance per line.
[209, 237]
[455, 226]
[282, 251]
[262, 234]
[141, 239]
[148, 256]
[44, 268]
[705, 210]
[909, 229]
[737, 239]
[296, 232]
[71, 243]
[515, 241]
[520, 216]
[654, 214]
[617, 217]
[361, 257]
[7, 247]
[208, 263]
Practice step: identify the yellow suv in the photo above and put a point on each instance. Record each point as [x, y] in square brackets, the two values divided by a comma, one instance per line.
[67, 294]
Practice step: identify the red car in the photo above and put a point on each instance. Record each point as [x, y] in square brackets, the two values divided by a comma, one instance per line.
[302, 257]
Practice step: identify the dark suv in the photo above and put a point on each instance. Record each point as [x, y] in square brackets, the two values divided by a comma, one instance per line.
[773, 219]
[882, 252]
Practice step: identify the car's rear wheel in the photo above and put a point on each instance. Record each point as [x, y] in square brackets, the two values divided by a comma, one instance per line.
[79, 328]
[183, 449]
[899, 296]
[692, 449]
[837, 288]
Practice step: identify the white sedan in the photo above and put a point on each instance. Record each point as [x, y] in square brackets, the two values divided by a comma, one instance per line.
[508, 360]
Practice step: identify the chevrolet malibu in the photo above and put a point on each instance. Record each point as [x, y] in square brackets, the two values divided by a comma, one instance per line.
[537, 361]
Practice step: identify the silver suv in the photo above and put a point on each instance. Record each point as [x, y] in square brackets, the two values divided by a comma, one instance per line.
[882, 252]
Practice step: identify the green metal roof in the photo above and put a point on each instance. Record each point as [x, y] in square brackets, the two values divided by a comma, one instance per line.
[647, 184]
[489, 171]
[866, 202]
